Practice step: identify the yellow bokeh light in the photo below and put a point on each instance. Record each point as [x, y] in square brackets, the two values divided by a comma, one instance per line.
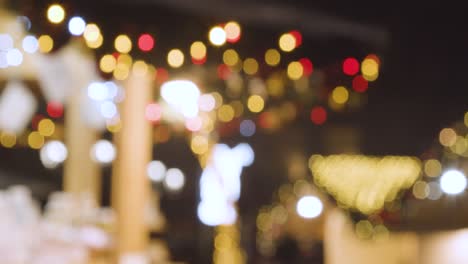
[295, 70]
[272, 57]
[275, 85]
[226, 113]
[217, 36]
[56, 14]
[46, 44]
[175, 58]
[447, 137]
[364, 229]
[91, 33]
[198, 50]
[35, 140]
[121, 72]
[340, 95]
[7, 140]
[255, 103]
[46, 127]
[460, 146]
[96, 43]
[107, 63]
[123, 44]
[238, 108]
[114, 126]
[370, 69]
[420, 190]
[250, 66]
[218, 99]
[199, 145]
[140, 68]
[233, 30]
[125, 59]
[287, 42]
[432, 168]
[230, 57]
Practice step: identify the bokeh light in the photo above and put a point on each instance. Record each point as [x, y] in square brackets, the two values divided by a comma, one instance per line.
[46, 127]
[272, 57]
[350, 66]
[199, 144]
[153, 112]
[54, 109]
[225, 113]
[307, 66]
[360, 84]
[295, 70]
[56, 14]
[174, 180]
[447, 137]
[297, 36]
[255, 103]
[206, 102]
[103, 151]
[198, 50]
[230, 57]
[453, 182]
[46, 44]
[7, 140]
[14, 57]
[91, 33]
[217, 36]
[233, 31]
[309, 207]
[53, 153]
[370, 69]
[156, 170]
[421, 190]
[123, 44]
[432, 168]
[107, 63]
[146, 42]
[96, 43]
[35, 140]
[250, 66]
[76, 26]
[318, 115]
[340, 95]
[30, 44]
[247, 128]
[175, 58]
[287, 42]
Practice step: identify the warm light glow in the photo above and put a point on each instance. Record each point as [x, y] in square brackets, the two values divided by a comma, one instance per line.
[432, 168]
[233, 31]
[46, 127]
[369, 69]
[175, 58]
[225, 113]
[95, 44]
[255, 103]
[287, 42]
[174, 180]
[7, 140]
[123, 44]
[199, 145]
[217, 36]
[453, 182]
[103, 151]
[198, 50]
[309, 207]
[30, 44]
[272, 57]
[230, 57]
[447, 137]
[56, 14]
[107, 63]
[250, 66]
[156, 170]
[76, 26]
[46, 44]
[35, 140]
[421, 190]
[295, 70]
[340, 95]
[92, 33]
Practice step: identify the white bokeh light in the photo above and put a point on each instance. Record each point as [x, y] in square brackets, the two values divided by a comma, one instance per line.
[6, 42]
[103, 151]
[182, 95]
[76, 26]
[14, 57]
[108, 109]
[156, 170]
[53, 153]
[174, 180]
[309, 207]
[98, 91]
[217, 36]
[453, 182]
[207, 102]
[30, 44]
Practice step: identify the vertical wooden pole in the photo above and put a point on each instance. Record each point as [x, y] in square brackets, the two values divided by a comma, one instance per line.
[131, 183]
[81, 173]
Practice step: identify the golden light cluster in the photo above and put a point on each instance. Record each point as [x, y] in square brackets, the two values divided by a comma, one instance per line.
[364, 183]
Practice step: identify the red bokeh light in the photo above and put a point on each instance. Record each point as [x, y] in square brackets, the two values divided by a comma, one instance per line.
[162, 75]
[318, 115]
[199, 61]
[35, 121]
[224, 72]
[146, 42]
[298, 36]
[55, 109]
[350, 66]
[307, 66]
[360, 84]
